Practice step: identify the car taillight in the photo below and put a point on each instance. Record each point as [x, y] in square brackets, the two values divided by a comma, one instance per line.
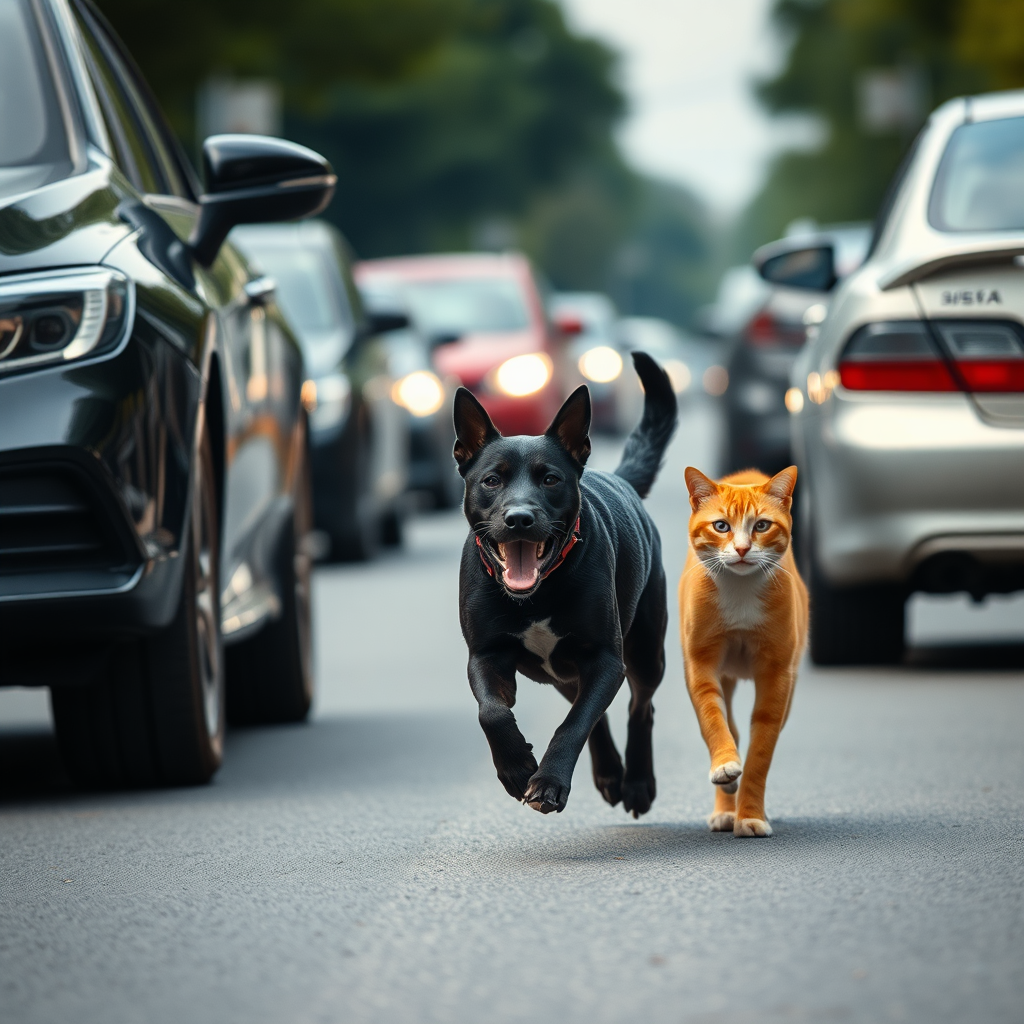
[988, 355]
[763, 329]
[947, 355]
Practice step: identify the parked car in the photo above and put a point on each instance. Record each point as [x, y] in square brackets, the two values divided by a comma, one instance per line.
[590, 321]
[486, 319]
[359, 435]
[762, 353]
[154, 477]
[908, 404]
[426, 397]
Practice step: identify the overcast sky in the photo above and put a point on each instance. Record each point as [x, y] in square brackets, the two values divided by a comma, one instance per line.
[687, 71]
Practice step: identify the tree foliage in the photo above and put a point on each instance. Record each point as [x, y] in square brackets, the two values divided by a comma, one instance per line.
[950, 47]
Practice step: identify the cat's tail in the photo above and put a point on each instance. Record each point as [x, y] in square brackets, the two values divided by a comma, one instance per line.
[645, 447]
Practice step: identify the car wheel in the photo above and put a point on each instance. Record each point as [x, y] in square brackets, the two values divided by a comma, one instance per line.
[157, 718]
[357, 536]
[855, 625]
[270, 676]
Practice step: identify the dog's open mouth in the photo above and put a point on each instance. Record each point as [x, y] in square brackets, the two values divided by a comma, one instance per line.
[521, 562]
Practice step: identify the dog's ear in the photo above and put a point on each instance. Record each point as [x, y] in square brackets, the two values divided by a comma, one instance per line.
[700, 487]
[571, 427]
[473, 427]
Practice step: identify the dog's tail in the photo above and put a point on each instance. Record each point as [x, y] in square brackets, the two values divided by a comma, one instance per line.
[645, 447]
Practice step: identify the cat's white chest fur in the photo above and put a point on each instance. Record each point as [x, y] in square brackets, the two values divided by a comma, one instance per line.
[740, 600]
[540, 639]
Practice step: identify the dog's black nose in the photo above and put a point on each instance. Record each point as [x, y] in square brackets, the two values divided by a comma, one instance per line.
[519, 517]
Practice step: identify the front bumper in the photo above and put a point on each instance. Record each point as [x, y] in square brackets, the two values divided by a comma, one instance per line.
[897, 482]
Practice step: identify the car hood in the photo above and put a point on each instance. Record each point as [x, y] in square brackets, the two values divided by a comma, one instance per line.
[474, 355]
[73, 222]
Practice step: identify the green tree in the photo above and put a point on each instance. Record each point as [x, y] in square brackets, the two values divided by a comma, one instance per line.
[946, 47]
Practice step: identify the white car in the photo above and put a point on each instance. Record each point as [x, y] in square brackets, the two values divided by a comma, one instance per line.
[908, 400]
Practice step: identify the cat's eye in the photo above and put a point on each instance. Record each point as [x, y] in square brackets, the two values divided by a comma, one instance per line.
[721, 525]
[550, 480]
[491, 480]
[762, 525]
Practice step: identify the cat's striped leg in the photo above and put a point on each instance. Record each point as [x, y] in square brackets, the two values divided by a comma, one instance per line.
[723, 818]
[709, 703]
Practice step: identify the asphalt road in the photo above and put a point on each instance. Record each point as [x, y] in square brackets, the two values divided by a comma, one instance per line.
[369, 867]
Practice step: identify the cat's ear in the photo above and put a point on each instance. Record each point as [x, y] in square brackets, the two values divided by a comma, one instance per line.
[700, 487]
[781, 486]
[571, 427]
[473, 427]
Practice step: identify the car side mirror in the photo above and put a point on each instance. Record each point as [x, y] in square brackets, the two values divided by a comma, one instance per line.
[812, 267]
[252, 179]
[382, 323]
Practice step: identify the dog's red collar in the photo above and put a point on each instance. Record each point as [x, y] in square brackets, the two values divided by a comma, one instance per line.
[574, 539]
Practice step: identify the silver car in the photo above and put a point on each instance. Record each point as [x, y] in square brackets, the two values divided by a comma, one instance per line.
[908, 400]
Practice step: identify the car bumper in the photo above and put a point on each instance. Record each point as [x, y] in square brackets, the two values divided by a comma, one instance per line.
[896, 483]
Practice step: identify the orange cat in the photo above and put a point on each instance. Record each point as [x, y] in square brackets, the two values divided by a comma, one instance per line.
[743, 615]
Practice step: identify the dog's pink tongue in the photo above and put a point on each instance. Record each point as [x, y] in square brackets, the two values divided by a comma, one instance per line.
[522, 565]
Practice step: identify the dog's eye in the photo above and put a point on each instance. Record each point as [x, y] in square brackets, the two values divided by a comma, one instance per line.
[762, 525]
[721, 526]
[550, 480]
[491, 480]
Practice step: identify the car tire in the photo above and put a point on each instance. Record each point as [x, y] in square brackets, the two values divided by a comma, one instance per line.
[392, 526]
[855, 625]
[356, 535]
[157, 717]
[270, 675]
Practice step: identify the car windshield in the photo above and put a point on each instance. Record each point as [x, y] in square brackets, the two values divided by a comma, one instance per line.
[311, 299]
[33, 140]
[980, 183]
[470, 305]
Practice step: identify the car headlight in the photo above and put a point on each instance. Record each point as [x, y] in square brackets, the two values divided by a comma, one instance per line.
[327, 401]
[601, 364]
[53, 318]
[420, 392]
[522, 375]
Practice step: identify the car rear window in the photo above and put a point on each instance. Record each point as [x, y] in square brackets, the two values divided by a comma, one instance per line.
[33, 137]
[980, 182]
[470, 305]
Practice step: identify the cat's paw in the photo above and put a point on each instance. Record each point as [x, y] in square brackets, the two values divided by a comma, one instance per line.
[721, 821]
[748, 828]
[727, 773]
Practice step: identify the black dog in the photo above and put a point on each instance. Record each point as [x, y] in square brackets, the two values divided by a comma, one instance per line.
[562, 580]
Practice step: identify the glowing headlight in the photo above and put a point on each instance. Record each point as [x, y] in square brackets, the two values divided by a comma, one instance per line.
[55, 317]
[420, 392]
[601, 364]
[679, 373]
[523, 375]
[327, 401]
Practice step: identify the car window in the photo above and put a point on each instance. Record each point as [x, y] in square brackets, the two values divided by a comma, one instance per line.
[34, 146]
[132, 149]
[980, 182]
[471, 305]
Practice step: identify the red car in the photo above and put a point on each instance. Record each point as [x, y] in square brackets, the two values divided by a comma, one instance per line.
[485, 318]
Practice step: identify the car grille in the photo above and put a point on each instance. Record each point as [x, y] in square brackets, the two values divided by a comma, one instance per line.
[48, 522]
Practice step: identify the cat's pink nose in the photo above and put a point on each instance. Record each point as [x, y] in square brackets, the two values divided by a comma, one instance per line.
[742, 549]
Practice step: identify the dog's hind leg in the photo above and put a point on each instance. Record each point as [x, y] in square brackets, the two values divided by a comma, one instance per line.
[492, 677]
[605, 761]
[644, 654]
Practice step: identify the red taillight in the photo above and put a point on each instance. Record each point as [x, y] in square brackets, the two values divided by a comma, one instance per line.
[921, 375]
[762, 329]
[961, 355]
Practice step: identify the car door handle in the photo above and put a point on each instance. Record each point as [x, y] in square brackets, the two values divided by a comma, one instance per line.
[260, 290]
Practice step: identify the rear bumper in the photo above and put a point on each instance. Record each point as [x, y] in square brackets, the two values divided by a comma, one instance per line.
[898, 485]
[531, 414]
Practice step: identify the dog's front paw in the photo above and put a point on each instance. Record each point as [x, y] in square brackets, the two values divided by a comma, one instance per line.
[725, 774]
[751, 827]
[546, 794]
[637, 796]
[515, 775]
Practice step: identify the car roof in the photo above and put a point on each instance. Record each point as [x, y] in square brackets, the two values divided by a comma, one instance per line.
[446, 265]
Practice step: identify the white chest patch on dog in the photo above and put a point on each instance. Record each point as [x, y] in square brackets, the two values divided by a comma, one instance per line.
[541, 640]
